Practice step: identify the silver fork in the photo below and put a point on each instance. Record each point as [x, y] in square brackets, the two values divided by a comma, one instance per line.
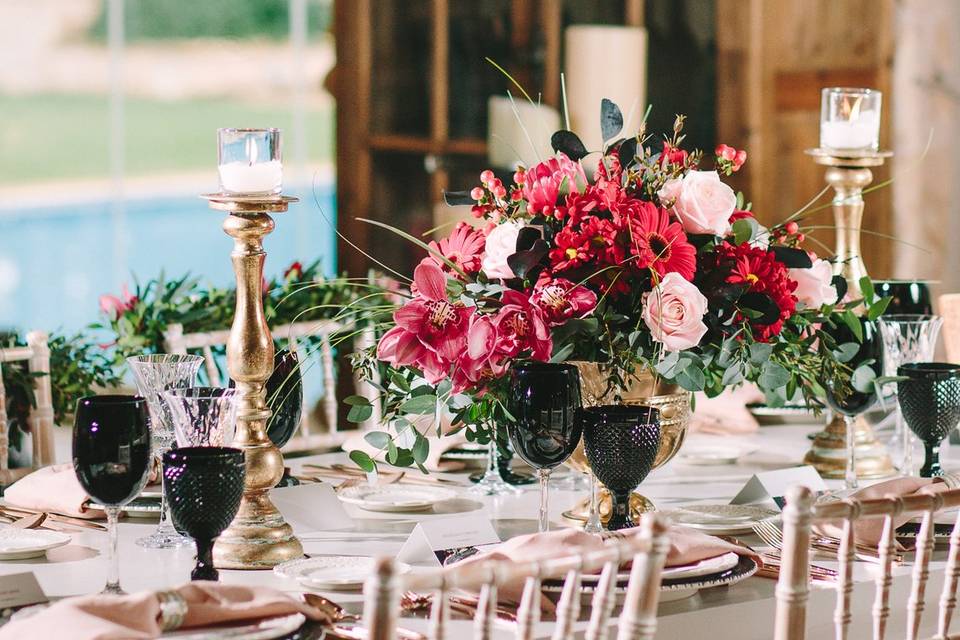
[773, 536]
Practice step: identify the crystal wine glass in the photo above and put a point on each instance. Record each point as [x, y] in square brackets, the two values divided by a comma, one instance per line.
[203, 416]
[544, 402]
[492, 482]
[111, 457]
[851, 402]
[907, 338]
[929, 397]
[621, 443]
[154, 375]
[205, 485]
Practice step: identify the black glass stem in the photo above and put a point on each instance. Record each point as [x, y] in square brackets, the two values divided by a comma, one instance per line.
[111, 457]
[544, 400]
[204, 486]
[910, 297]
[850, 402]
[929, 398]
[621, 443]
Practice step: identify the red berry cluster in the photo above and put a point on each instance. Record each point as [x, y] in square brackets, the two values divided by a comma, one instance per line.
[788, 234]
[491, 194]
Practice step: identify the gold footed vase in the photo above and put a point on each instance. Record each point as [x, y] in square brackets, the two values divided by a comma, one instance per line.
[828, 453]
[643, 389]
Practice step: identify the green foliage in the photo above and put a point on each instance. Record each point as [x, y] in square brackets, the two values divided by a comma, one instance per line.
[171, 19]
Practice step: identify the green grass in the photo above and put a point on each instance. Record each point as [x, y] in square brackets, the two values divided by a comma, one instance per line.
[59, 136]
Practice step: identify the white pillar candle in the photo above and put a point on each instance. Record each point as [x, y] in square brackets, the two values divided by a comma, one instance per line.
[257, 178]
[507, 131]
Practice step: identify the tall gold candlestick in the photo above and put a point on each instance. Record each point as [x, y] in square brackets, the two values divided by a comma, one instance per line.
[848, 175]
[258, 538]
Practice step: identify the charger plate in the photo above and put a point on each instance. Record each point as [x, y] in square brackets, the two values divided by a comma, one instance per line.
[336, 573]
[267, 629]
[394, 498]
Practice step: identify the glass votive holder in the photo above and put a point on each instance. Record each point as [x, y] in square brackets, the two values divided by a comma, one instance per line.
[249, 161]
[850, 120]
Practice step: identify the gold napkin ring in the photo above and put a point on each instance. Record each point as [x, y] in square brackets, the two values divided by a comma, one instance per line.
[173, 609]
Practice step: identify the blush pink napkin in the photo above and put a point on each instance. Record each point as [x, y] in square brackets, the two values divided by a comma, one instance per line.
[687, 546]
[135, 616]
[53, 488]
[869, 531]
[726, 414]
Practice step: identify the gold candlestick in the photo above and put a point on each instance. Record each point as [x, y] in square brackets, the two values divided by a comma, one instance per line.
[848, 175]
[258, 538]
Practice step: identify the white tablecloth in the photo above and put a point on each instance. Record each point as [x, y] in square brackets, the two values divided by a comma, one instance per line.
[742, 611]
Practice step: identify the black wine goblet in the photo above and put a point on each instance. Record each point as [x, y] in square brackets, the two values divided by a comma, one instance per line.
[111, 457]
[907, 297]
[621, 443]
[544, 401]
[846, 400]
[929, 397]
[204, 486]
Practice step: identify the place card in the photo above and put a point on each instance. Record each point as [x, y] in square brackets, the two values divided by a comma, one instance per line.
[20, 590]
[773, 485]
[311, 507]
[434, 540]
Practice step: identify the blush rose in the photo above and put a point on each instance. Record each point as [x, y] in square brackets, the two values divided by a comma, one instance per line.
[673, 311]
[704, 203]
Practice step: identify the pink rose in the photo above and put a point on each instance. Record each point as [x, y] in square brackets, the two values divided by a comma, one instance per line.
[705, 204]
[670, 191]
[501, 244]
[674, 312]
[541, 186]
[814, 285]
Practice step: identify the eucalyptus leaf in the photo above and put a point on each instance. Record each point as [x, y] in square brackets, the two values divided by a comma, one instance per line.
[421, 405]
[611, 119]
[853, 323]
[863, 378]
[377, 439]
[846, 351]
[420, 450]
[360, 413]
[745, 230]
[363, 461]
[773, 376]
[866, 286]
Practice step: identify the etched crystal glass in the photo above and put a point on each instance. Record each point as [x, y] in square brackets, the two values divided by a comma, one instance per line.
[907, 338]
[203, 416]
[154, 375]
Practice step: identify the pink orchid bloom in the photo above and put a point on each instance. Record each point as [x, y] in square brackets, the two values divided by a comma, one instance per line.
[521, 325]
[115, 307]
[542, 182]
[431, 331]
[559, 300]
[482, 359]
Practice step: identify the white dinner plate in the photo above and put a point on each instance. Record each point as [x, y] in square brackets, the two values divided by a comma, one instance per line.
[338, 573]
[721, 519]
[694, 570]
[136, 508]
[267, 629]
[710, 455]
[394, 497]
[19, 544]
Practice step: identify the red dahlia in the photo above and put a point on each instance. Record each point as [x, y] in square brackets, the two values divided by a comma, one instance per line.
[761, 272]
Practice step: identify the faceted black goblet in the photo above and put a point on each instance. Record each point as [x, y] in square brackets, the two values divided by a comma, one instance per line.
[930, 403]
[204, 486]
[621, 443]
[544, 401]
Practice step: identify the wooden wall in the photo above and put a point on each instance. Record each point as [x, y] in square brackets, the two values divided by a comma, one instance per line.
[773, 57]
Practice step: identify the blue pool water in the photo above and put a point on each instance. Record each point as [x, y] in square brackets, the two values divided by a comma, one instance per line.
[56, 261]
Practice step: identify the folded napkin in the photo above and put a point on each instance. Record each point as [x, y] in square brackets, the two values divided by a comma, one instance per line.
[53, 488]
[135, 616]
[438, 445]
[869, 531]
[727, 413]
[687, 546]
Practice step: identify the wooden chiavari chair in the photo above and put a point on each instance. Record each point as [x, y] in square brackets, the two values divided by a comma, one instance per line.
[40, 419]
[176, 341]
[800, 515]
[636, 621]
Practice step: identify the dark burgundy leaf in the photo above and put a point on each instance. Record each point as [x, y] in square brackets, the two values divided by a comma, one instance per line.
[793, 258]
[454, 198]
[628, 152]
[527, 237]
[568, 143]
[523, 262]
[763, 304]
[841, 284]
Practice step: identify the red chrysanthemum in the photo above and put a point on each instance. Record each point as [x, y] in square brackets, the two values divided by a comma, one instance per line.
[760, 271]
[656, 241]
[580, 205]
[463, 247]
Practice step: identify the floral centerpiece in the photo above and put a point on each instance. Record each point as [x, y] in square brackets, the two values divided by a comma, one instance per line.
[652, 263]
